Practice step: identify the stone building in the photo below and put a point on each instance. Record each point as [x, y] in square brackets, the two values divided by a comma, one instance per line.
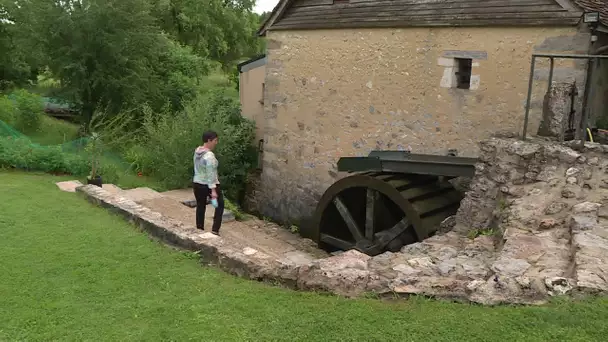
[252, 73]
[344, 77]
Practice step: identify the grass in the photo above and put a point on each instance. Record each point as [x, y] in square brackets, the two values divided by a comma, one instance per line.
[72, 271]
[54, 132]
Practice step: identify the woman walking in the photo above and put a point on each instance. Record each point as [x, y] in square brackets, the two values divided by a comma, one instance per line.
[206, 182]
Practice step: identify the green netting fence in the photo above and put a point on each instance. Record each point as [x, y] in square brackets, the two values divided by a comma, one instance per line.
[7, 131]
[17, 150]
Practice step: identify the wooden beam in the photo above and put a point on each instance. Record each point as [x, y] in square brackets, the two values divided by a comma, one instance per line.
[437, 17]
[307, 3]
[385, 237]
[336, 242]
[348, 219]
[370, 213]
[430, 22]
[394, 6]
[487, 12]
[277, 14]
[326, 14]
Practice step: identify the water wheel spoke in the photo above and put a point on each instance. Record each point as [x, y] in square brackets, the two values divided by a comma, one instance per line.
[370, 213]
[385, 237]
[336, 242]
[348, 219]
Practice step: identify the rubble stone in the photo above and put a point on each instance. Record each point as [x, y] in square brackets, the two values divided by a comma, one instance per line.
[548, 224]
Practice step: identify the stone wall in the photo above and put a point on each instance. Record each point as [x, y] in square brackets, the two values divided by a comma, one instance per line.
[251, 93]
[547, 205]
[334, 93]
[557, 108]
[509, 167]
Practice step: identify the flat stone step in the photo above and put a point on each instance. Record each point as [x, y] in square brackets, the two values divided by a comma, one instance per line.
[68, 186]
[141, 194]
[113, 189]
[186, 197]
[170, 207]
[299, 257]
[237, 233]
[180, 195]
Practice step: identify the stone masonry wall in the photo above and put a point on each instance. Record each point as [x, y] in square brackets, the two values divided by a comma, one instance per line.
[548, 207]
[334, 93]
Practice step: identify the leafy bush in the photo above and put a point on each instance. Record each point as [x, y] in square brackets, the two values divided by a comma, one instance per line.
[30, 108]
[22, 154]
[169, 139]
[8, 110]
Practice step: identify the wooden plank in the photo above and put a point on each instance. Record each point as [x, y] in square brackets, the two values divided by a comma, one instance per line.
[348, 219]
[370, 8]
[431, 22]
[339, 243]
[384, 2]
[485, 12]
[311, 14]
[277, 14]
[390, 234]
[303, 3]
[439, 18]
[370, 213]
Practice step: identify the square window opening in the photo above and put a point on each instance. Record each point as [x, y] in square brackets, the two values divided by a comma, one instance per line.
[463, 73]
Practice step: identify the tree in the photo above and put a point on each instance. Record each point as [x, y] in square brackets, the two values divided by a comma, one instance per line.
[115, 55]
[221, 30]
[14, 67]
[109, 54]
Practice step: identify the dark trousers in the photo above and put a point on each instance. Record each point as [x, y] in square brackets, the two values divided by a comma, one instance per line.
[202, 193]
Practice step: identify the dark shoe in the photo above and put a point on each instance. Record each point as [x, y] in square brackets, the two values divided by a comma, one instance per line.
[200, 228]
[215, 233]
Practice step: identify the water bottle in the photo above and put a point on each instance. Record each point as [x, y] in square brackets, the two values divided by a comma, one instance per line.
[214, 202]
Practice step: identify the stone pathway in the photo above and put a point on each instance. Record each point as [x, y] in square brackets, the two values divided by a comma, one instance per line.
[252, 235]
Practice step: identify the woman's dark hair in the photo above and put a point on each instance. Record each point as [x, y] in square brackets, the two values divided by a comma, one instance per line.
[208, 136]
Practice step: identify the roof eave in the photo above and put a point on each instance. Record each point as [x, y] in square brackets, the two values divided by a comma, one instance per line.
[276, 13]
[280, 9]
[573, 22]
[249, 61]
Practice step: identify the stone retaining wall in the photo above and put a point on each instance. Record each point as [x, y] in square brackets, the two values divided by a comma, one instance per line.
[547, 205]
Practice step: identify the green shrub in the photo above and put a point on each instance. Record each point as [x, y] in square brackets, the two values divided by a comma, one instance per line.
[30, 110]
[167, 145]
[76, 164]
[22, 154]
[8, 110]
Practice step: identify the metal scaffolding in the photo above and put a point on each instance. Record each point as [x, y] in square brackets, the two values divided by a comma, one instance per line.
[592, 59]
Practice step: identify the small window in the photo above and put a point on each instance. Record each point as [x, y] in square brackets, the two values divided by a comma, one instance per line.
[463, 72]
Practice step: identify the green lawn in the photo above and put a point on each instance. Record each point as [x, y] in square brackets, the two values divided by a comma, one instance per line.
[72, 271]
